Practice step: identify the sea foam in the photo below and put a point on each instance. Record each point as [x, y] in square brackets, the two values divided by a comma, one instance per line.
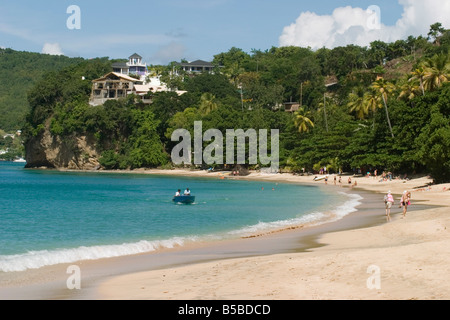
[42, 258]
[310, 219]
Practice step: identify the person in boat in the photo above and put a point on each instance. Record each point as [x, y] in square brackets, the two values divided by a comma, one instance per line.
[187, 192]
[178, 193]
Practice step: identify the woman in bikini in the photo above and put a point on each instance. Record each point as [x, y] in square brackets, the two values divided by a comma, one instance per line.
[404, 201]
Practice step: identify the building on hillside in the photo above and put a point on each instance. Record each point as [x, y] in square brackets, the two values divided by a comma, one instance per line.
[146, 91]
[128, 78]
[134, 66]
[112, 86]
[291, 106]
[196, 67]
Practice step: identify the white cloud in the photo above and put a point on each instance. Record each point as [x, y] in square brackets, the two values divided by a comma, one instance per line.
[348, 25]
[52, 48]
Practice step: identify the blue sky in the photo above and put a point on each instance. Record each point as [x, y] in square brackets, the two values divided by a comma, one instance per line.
[164, 31]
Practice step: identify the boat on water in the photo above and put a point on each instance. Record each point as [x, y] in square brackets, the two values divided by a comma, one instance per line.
[186, 199]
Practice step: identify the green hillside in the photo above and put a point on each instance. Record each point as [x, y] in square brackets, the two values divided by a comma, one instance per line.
[19, 72]
[384, 107]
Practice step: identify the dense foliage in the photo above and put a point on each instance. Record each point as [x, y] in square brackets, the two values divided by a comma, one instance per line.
[384, 107]
[19, 72]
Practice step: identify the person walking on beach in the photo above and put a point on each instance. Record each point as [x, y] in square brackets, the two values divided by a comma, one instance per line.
[405, 201]
[388, 201]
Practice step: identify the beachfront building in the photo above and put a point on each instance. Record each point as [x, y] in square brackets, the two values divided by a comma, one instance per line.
[112, 86]
[134, 66]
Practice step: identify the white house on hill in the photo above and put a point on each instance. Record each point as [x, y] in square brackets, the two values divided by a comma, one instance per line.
[113, 86]
[134, 66]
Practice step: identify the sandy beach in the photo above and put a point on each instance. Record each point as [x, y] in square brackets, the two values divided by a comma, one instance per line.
[406, 258]
[359, 257]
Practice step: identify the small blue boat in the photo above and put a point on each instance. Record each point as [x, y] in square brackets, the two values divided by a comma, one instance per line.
[186, 199]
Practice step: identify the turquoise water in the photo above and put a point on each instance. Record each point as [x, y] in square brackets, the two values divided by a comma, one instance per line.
[50, 217]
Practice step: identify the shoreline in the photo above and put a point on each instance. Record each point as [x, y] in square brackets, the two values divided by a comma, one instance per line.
[102, 278]
[342, 256]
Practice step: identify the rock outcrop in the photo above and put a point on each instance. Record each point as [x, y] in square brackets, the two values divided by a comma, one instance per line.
[73, 152]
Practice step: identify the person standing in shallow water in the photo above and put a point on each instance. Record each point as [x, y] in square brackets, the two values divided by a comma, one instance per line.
[388, 201]
[405, 201]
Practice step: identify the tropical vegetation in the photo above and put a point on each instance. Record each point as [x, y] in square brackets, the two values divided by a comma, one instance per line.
[385, 107]
[19, 72]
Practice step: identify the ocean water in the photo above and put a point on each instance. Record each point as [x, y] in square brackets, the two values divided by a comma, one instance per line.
[51, 217]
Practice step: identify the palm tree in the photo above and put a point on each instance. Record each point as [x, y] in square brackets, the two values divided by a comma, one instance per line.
[323, 105]
[409, 90]
[233, 72]
[373, 102]
[358, 104]
[419, 74]
[437, 72]
[383, 88]
[207, 103]
[302, 120]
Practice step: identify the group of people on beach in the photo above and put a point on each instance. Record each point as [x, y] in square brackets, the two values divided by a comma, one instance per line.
[405, 201]
[338, 180]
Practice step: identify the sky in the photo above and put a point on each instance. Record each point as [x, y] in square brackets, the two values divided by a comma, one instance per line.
[171, 30]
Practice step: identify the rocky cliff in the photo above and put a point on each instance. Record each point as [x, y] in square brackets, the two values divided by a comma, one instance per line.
[73, 152]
